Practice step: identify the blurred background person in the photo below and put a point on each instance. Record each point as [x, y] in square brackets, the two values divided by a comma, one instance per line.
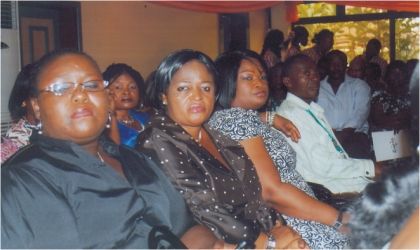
[371, 54]
[300, 38]
[277, 91]
[271, 51]
[324, 41]
[357, 68]
[127, 90]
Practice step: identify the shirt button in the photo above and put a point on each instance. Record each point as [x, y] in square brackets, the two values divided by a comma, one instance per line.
[367, 172]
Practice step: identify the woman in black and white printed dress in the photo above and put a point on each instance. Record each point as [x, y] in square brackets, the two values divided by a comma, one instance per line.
[245, 90]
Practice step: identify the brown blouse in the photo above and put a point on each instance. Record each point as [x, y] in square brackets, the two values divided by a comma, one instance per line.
[228, 202]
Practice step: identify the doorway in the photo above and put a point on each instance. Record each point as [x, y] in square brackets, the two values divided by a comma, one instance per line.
[46, 26]
[233, 31]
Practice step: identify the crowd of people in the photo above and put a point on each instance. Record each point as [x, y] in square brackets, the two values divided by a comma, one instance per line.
[218, 153]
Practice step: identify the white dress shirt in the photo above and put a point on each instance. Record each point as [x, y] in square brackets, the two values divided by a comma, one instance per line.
[317, 158]
[349, 107]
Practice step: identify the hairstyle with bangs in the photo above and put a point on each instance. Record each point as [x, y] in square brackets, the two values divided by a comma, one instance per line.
[168, 68]
[228, 65]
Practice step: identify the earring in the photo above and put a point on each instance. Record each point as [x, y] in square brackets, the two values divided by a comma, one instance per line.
[108, 124]
[164, 103]
[23, 104]
[39, 127]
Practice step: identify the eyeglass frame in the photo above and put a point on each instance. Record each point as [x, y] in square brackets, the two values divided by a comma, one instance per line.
[49, 88]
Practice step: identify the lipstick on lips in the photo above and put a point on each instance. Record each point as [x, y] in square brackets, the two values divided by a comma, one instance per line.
[261, 94]
[81, 112]
[196, 108]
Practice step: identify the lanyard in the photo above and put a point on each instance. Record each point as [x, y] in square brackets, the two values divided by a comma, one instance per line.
[337, 147]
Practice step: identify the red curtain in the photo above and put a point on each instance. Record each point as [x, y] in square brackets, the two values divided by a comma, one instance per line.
[410, 6]
[219, 6]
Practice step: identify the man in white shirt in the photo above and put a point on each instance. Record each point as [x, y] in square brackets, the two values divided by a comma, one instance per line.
[346, 103]
[320, 157]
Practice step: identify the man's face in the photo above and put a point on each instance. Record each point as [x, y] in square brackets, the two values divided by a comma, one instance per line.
[336, 67]
[356, 69]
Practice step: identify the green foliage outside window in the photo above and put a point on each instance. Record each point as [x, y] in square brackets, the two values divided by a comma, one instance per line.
[352, 37]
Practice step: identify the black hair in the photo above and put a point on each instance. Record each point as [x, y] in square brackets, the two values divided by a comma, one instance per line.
[398, 64]
[287, 65]
[375, 43]
[336, 53]
[21, 92]
[228, 65]
[50, 57]
[383, 208]
[150, 80]
[115, 70]
[321, 35]
[272, 41]
[168, 68]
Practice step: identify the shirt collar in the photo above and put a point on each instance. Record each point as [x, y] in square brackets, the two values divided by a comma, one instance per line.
[297, 102]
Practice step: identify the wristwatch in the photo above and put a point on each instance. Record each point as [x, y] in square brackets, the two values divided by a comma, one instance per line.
[339, 221]
[271, 242]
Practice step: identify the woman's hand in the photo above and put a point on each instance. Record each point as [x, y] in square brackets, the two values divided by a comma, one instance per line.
[287, 238]
[111, 101]
[287, 127]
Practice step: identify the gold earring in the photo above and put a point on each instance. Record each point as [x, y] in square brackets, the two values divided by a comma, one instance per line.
[23, 104]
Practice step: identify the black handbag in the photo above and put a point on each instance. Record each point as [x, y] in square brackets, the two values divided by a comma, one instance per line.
[338, 201]
[160, 237]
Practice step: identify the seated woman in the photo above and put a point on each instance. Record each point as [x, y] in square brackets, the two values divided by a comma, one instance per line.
[391, 106]
[219, 183]
[244, 91]
[20, 108]
[73, 187]
[127, 89]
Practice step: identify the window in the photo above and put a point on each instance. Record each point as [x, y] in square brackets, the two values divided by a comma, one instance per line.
[355, 26]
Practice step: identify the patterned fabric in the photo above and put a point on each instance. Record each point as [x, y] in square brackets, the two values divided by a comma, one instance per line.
[312, 54]
[291, 52]
[270, 58]
[240, 124]
[391, 105]
[215, 194]
[8, 148]
[20, 132]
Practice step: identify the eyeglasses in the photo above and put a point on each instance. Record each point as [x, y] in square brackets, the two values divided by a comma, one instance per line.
[65, 88]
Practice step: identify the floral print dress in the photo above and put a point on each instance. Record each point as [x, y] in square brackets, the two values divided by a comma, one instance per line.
[240, 124]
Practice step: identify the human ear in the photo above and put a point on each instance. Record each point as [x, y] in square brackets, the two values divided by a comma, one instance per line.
[164, 99]
[287, 82]
[35, 106]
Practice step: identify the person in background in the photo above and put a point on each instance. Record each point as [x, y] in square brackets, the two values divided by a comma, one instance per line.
[391, 106]
[271, 51]
[300, 38]
[324, 41]
[411, 65]
[357, 68]
[320, 157]
[244, 91]
[371, 54]
[278, 91]
[384, 208]
[148, 107]
[346, 103]
[20, 108]
[127, 91]
[218, 182]
[73, 187]
[322, 67]
[373, 77]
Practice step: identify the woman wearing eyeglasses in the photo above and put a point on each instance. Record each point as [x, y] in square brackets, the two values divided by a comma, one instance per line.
[73, 187]
[127, 88]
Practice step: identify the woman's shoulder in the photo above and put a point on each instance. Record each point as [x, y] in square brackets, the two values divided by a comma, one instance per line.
[233, 115]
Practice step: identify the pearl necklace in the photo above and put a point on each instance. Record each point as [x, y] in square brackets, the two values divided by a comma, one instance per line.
[129, 121]
[199, 137]
[100, 157]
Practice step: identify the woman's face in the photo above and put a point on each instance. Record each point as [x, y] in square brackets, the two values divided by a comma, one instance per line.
[327, 43]
[126, 92]
[190, 96]
[80, 116]
[251, 87]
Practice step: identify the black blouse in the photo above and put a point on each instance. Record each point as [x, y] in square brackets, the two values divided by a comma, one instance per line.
[54, 194]
[228, 202]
